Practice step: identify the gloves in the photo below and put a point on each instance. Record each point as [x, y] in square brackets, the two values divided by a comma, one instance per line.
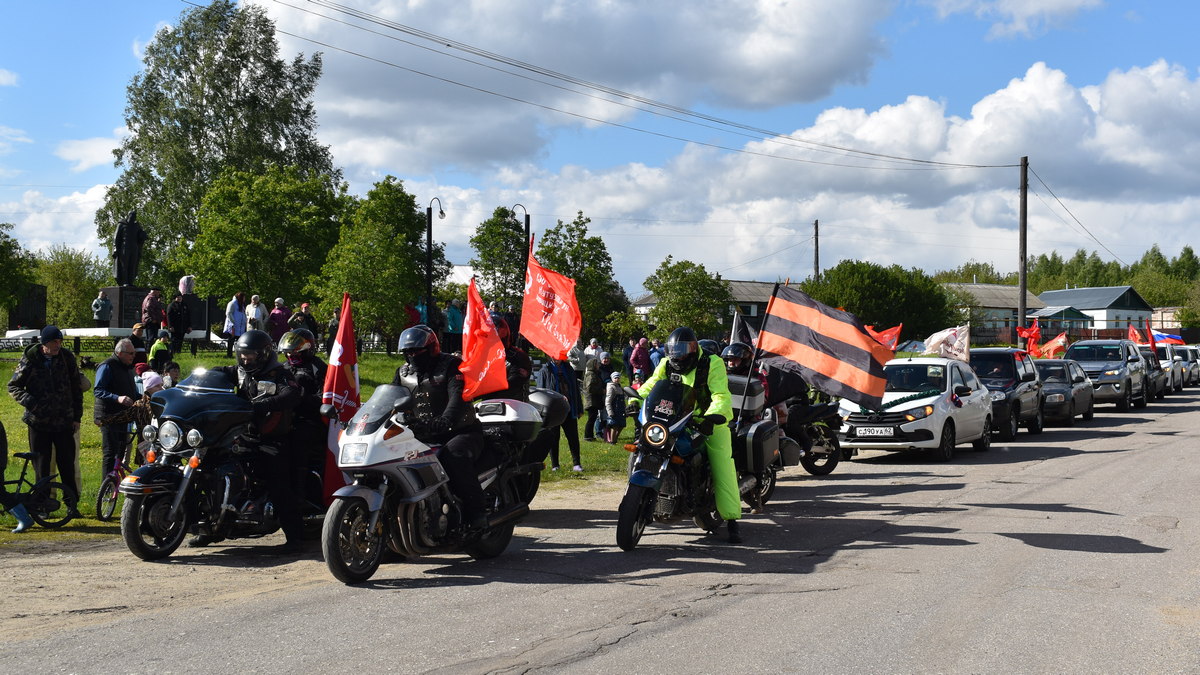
[439, 425]
[710, 421]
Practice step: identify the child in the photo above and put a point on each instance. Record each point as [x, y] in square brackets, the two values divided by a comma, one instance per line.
[633, 407]
[614, 408]
[160, 351]
[170, 374]
[152, 382]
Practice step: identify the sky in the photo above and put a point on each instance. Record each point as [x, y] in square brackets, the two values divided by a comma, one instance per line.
[715, 132]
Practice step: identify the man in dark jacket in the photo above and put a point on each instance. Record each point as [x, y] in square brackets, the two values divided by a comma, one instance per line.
[559, 376]
[179, 318]
[442, 417]
[299, 347]
[47, 384]
[116, 390]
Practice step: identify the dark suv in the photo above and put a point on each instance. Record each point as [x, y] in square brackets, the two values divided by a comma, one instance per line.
[1016, 389]
[1116, 369]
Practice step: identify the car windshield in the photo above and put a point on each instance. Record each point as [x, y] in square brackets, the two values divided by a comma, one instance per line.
[993, 366]
[1052, 372]
[1161, 352]
[1094, 352]
[915, 377]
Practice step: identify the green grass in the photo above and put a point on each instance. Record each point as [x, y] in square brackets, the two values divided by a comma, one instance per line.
[374, 369]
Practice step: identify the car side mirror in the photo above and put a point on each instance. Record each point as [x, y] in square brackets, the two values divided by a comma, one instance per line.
[962, 390]
[1133, 359]
[1078, 378]
[1028, 377]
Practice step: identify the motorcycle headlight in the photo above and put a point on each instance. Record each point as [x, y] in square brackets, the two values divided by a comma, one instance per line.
[656, 434]
[1055, 398]
[149, 432]
[918, 413]
[353, 453]
[998, 396]
[194, 437]
[169, 435]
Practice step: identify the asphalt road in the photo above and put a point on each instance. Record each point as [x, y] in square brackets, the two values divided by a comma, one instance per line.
[1073, 551]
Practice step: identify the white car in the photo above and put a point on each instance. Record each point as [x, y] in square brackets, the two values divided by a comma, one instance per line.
[1191, 364]
[1172, 365]
[928, 404]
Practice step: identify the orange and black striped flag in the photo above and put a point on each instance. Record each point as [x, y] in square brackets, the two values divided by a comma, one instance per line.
[829, 348]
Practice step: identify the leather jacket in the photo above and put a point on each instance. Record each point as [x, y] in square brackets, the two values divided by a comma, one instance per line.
[438, 395]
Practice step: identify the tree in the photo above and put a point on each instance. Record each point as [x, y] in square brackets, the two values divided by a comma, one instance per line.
[1186, 265]
[687, 295]
[72, 278]
[973, 272]
[886, 296]
[619, 326]
[500, 250]
[265, 233]
[379, 260]
[212, 95]
[567, 249]
[16, 269]
[1158, 287]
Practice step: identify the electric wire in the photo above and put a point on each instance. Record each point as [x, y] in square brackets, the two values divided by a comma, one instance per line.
[1064, 208]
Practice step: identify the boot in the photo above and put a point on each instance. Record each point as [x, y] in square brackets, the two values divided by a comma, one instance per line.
[24, 520]
[735, 536]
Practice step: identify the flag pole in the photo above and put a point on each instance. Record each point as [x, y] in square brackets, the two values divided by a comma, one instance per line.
[754, 354]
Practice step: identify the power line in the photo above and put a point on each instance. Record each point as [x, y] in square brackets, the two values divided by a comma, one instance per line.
[1064, 207]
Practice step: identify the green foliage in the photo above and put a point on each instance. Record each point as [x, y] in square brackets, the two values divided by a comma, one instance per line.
[1158, 287]
[687, 295]
[567, 249]
[620, 326]
[379, 260]
[886, 296]
[974, 272]
[212, 95]
[264, 232]
[500, 253]
[71, 277]
[16, 268]
[1186, 265]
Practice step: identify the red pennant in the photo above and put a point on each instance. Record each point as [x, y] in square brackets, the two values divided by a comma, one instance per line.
[888, 338]
[550, 316]
[483, 351]
[342, 390]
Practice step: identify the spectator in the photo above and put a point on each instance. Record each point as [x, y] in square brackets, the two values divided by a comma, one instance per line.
[235, 317]
[559, 376]
[626, 354]
[303, 318]
[592, 351]
[656, 354]
[607, 368]
[277, 321]
[256, 314]
[154, 315]
[640, 359]
[614, 409]
[577, 360]
[593, 397]
[160, 351]
[170, 374]
[102, 310]
[46, 382]
[116, 389]
[454, 326]
[139, 342]
[179, 322]
[514, 321]
[152, 382]
[332, 328]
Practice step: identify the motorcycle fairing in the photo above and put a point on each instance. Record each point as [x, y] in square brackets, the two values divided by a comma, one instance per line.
[151, 479]
[373, 498]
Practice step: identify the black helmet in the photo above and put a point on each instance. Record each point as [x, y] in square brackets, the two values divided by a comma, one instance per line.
[710, 347]
[737, 358]
[298, 344]
[419, 345]
[501, 328]
[255, 350]
[683, 351]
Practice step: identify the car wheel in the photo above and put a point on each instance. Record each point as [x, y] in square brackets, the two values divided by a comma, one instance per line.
[984, 442]
[945, 449]
[1091, 410]
[1125, 400]
[1038, 422]
[1009, 431]
[1162, 392]
[1070, 421]
[1179, 384]
[1144, 399]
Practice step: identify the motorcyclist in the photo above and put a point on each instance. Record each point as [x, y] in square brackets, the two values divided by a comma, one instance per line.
[258, 370]
[517, 365]
[441, 416]
[299, 347]
[714, 406]
[738, 356]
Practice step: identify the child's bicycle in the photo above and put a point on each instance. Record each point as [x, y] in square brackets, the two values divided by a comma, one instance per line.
[109, 493]
[43, 498]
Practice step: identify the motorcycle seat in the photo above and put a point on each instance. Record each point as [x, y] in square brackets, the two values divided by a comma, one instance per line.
[804, 414]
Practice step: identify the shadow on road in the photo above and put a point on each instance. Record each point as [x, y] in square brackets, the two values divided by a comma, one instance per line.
[1089, 543]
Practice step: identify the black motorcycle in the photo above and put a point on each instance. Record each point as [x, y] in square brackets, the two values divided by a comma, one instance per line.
[206, 471]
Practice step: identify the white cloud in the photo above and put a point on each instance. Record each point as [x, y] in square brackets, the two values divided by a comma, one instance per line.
[7, 78]
[42, 221]
[9, 136]
[1017, 17]
[90, 152]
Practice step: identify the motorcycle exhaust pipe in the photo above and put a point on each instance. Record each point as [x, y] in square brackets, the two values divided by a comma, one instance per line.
[747, 484]
[511, 513]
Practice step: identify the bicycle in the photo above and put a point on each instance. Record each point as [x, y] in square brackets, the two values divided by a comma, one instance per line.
[110, 487]
[42, 498]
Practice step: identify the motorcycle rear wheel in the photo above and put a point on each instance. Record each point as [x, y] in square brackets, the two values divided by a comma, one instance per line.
[635, 512]
[765, 488]
[825, 454]
[147, 528]
[527, 486]
[106, 499]
[351, 552]
[494, 540]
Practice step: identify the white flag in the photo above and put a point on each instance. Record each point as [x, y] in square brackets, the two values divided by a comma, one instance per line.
[951, 343]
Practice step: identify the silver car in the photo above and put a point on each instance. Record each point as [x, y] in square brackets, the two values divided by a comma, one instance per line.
[1191, 364]
[1172, 365]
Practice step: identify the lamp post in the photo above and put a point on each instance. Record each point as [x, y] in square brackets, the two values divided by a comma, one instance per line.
[512, 218]
[429, 255]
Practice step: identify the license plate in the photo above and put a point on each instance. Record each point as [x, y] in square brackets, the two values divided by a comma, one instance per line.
[873, 431]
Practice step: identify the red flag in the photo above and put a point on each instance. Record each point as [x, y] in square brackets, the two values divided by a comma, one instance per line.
[1150, 334]
[1133, 335]
[482, 350]
[341, 389]
[1033, 334]
[550, 316]
[1055, 346]
[829, 348]
[888, 338]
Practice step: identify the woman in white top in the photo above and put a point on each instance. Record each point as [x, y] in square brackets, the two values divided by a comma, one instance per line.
[256, 314]
[235, 315]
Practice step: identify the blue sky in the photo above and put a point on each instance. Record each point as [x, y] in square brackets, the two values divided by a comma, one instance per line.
[1102, 96]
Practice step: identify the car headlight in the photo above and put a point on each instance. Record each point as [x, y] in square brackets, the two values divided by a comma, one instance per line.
[353, 453]
[656, 434]
[194, 437]
[169, 435]
[918, 413]
[1055, 398]
[1112, 373]
[1166, 368]
[149, 432]
[998, 396]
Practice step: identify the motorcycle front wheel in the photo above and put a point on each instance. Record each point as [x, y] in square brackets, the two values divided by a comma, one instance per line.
[352, 551]
[147, 526]
[825, 454]
[635, 512]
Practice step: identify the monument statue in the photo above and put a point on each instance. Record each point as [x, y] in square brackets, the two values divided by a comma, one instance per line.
[127, 249]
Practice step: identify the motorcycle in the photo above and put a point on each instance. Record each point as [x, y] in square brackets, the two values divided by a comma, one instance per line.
[206, 470]
[814, 426]
[400, 497]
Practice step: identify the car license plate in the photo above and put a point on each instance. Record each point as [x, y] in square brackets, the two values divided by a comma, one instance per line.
[873, 431]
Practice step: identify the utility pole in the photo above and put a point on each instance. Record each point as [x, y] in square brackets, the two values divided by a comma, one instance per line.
[1023, 228]
[816, 252]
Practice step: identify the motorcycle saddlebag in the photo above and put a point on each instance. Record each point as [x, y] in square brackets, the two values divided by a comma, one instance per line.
[517, 420]
[755, 399]
[552, 406]
[756, 446]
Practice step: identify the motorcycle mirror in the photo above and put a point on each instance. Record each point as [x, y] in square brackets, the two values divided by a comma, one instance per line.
[403, 402]
[328, 411]
[630, 391]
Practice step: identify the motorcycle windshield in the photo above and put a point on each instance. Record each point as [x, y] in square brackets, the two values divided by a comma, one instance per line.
[376, 410]
[670, 403]
[205, 380]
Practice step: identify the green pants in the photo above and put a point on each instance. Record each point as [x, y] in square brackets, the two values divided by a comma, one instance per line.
[720, 459]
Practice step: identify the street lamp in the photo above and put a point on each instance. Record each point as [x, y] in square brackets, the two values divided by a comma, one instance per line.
[512, 218]
[429, 255]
